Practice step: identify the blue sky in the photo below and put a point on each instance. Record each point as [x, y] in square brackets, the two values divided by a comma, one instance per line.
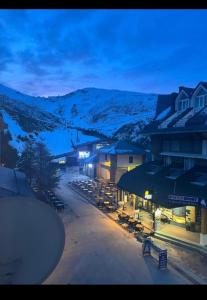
[53, 52]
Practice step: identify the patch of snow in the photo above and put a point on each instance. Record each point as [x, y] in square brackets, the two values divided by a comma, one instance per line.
[163, 114]
[14, 130]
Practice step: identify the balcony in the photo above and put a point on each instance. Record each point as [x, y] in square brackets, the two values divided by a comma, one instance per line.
[184, 154]
[154, 169]
[174, 173]
[200, 179]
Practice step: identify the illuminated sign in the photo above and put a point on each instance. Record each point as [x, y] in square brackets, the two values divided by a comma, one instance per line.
[147, 195]
[187, 200]
[83, 154]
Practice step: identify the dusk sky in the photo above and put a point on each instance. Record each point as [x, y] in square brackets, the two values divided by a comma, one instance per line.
[53, 52]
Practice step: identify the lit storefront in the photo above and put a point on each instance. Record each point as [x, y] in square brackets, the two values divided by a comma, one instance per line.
[162, 210]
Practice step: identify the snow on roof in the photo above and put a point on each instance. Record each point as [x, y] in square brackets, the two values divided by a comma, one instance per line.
[163, 114]
[122, 147]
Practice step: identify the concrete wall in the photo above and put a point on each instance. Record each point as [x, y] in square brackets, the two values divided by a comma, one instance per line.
[119, 173]
[123, 160]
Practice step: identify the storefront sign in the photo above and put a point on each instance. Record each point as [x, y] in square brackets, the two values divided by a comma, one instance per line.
[187, 200]
[147, 195]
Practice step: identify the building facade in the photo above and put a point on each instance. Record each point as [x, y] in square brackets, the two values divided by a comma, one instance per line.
[174, 184]
[87, 156]
[115, 160]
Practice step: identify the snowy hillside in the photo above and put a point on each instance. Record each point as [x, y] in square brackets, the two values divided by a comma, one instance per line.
[95, 110]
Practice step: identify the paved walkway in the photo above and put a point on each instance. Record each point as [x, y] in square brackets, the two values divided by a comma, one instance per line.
[99, 251]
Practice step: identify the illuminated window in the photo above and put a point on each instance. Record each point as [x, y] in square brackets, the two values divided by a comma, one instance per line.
[83, 154]
[62, 162]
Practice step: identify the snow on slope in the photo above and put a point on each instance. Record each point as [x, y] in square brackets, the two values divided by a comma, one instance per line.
[58, 141]
[98, 110]
[14, 130]
[106, 110]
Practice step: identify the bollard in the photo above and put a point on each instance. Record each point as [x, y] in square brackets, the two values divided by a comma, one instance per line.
[146, 246]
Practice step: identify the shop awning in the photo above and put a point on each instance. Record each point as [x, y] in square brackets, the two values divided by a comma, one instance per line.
[162, 188]
[91, 159]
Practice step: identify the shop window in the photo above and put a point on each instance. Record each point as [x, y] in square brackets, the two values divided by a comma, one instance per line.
[131, 159]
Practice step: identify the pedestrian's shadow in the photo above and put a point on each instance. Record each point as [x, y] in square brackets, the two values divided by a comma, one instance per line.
[158, 276]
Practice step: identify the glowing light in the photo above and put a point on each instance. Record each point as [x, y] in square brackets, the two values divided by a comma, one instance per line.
[131, 167]
[158, 213]
[90, 166]
[83, 154]
[62, 162]
[107, 163]
[147, 195]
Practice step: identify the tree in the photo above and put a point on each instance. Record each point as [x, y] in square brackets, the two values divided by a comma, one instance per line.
[27, 159]
[45, 171]
[9, 155]
[74, 110]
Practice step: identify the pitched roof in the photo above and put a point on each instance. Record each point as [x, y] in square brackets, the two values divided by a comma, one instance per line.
[204, 84]
[122, 147]
[165, 101]
[188, 90]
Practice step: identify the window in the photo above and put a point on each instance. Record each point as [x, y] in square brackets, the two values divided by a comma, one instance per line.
[201, 101]
[106, 158]
[130, 159]
[180, 105]
[183, 104]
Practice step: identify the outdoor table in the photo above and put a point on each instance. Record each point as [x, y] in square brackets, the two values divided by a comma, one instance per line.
[125, 225]
[132, 220]
[106, 202]
[57, 202]
[139, 227]
[111, 207]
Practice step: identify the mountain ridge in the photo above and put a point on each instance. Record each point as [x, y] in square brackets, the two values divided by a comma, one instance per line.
[99, 111]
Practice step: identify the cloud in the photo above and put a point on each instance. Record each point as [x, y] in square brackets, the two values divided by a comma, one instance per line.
[125, 49]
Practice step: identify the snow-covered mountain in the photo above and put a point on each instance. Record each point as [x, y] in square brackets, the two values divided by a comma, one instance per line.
[55, 120]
